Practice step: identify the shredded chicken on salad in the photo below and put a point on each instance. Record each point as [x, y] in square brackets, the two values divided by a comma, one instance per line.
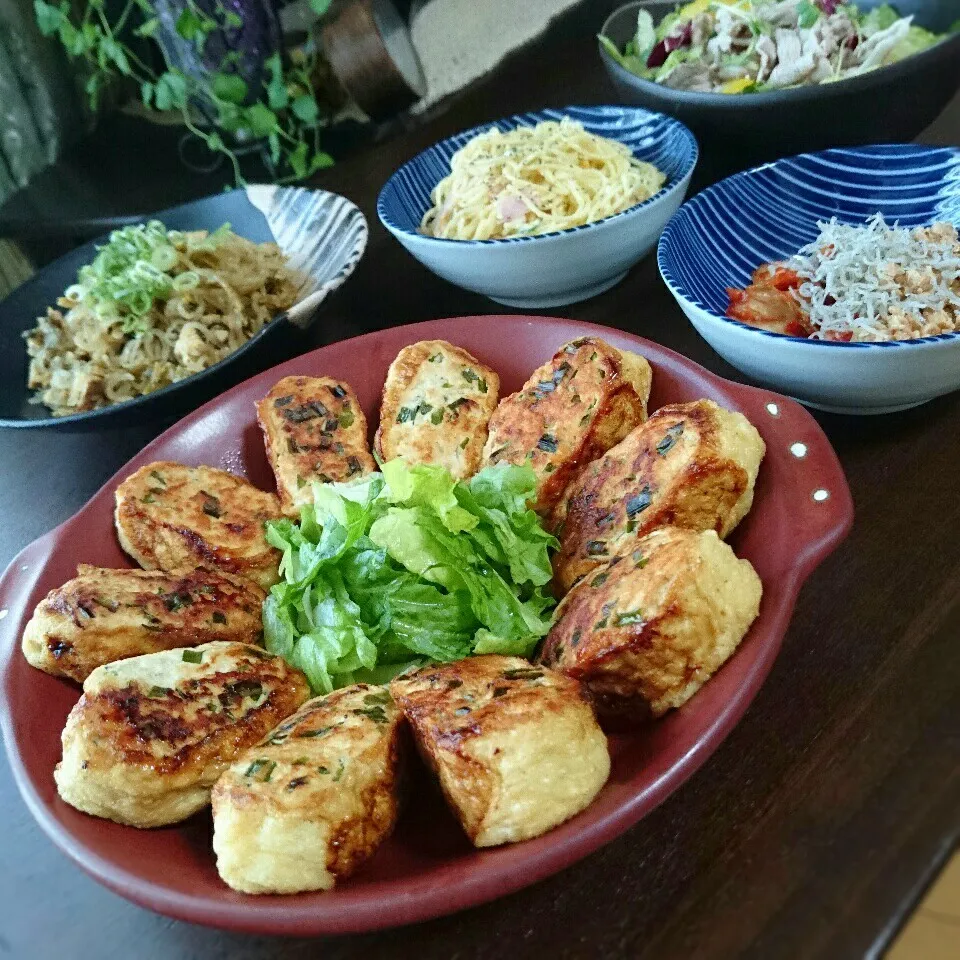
[745, 46]
[859, 283]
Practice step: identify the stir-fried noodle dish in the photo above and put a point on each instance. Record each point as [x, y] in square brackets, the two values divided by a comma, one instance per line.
[154, 306]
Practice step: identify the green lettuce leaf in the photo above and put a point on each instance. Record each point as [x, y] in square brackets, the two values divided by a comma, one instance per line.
[916, 40]
[675, 58]
[879, 18]
[645, 39]
[408, 566]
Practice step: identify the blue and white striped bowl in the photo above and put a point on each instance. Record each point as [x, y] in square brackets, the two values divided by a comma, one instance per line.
[552, 268]
[717, 239]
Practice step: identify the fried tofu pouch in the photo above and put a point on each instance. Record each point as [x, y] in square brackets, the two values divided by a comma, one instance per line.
[314, 430]
[690, 465]
[575, 407]
[516, 748]
[151, 735]
[170, 517]
[104, 615]
[644, 633]
[437, 401]
[314, 800]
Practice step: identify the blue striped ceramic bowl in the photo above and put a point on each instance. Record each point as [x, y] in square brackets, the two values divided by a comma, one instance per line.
[717, 239]
[552, 268]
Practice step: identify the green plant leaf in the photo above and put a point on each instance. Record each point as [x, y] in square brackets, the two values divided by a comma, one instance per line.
[215, 142]
[146, 93]
[231, 19]
[320, 7]
[298, 160]
[48, 17]
[230, 116]
[305, 108]
[73, 40]
[188, 24]
[92, 88]
[171, 90]
[274, 141]
[114, 52]
[319, 161]
[277, 96]
[229, 87]
[148, 28]
[260, 119]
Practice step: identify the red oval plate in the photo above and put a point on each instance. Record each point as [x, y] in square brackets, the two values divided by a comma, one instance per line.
[801, 512]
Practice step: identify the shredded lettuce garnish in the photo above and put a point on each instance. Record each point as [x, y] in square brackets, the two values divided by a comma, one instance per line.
[408, 566]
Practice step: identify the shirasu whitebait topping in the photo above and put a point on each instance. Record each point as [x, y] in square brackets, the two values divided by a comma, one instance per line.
[880, 282]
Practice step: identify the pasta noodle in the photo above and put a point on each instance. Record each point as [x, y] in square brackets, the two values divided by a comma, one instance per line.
[535, 180]
[155, 306]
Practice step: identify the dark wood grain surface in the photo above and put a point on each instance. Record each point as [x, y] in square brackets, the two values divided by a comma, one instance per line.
[814, 828]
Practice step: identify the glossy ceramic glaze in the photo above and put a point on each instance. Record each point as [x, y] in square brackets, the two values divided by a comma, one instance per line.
[717, 239]
[801, 511]
[555, 268]
[323, 235]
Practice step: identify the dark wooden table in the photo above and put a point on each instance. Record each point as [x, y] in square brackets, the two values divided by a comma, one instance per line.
[815, 827]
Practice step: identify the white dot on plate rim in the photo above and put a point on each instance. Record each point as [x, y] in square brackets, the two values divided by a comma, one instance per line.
[799, 450]
[3, 613]
[773, 410]
[820, 495]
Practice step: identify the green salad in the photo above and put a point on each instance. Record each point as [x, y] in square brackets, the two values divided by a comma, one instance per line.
[407, 566]
[746, 46]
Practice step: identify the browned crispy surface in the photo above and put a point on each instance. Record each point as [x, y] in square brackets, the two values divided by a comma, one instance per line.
[690, 465]
[314, 430]
[572, 409]
[151, 734]
[171, 517]
[646, 631]
[437, 401]
[105, 615]
[516, 747]
[315, 799]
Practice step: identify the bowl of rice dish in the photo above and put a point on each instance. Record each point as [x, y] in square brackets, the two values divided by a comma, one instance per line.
[832, 277]
[542, 209]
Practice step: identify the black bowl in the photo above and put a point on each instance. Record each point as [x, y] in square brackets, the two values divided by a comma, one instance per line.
[890, 104]
[325, 234]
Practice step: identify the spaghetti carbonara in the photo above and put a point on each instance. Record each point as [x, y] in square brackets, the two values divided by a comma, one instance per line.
[535, 180]
[154, 306]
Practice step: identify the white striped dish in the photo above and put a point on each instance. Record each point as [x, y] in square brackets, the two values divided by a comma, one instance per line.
[323, 235]
[719, 237]
[553, 268]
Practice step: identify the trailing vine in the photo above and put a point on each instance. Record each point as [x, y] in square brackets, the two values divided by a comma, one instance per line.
[284, 112]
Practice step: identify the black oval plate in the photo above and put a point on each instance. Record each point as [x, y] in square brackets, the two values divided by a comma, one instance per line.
[332, 221]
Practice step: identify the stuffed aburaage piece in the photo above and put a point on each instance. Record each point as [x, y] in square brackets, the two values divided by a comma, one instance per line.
[645, 632]
[105, 615]
[310, 803]
[314, 431]
[170, 516]
[516, 747]
[576, 406]
[150, 736]
[690, 465]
